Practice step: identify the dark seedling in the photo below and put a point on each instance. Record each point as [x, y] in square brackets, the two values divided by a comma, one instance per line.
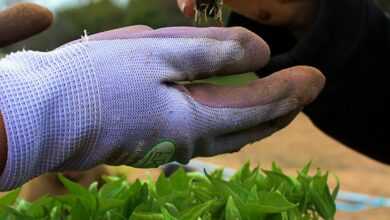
[249, 195]
[208, 9]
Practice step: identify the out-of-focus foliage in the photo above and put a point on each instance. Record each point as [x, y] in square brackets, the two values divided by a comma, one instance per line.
[385, 4]
[103, 15]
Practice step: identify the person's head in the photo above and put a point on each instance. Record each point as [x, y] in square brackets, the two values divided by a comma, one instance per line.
[297, 13]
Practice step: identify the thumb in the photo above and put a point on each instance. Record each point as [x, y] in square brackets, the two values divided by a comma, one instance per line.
[22, 21]
[233, 142]
[235, 108]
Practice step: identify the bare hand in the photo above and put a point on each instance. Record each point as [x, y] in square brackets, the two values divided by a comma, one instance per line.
[22, 21]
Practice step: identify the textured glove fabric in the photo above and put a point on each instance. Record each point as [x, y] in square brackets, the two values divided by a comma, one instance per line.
[51, 108]
[97, 101]
[114, 98]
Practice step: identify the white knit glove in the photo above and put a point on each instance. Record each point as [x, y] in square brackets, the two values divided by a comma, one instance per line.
[112, 98]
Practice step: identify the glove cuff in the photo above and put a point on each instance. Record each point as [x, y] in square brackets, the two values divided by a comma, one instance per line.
[50, 105]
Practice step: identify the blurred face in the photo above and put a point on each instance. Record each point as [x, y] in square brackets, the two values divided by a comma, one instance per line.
[271, 12]
[265, 11]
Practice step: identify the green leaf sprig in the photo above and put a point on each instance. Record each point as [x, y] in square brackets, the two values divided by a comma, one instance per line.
[205, 9]
[251, 194]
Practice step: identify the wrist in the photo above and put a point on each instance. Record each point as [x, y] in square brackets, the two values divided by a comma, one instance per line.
[48, 103]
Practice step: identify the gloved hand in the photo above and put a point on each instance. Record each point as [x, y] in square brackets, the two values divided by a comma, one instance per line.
[114, 98]
[282, 24]
[17, 23]
[348, 41]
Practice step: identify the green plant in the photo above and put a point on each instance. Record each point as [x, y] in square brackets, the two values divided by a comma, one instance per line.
[208, 8]
[250, 194]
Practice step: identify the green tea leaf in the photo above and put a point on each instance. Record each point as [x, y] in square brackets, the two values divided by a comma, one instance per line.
[276, 168]
[73, 188]
[197, 211]
[79, 211]
[321, 197]
[242, 174]
[231, 210]
[306, 169]
[163, 186]
[113, 190]
[86, 198]
[55, 213]
[271, 202]
[250, 194]
[138, 193]
[10, 213]
[9, 198]
[171, 208]
[147, 216]
[253, 195]
[167, 215]
[93, 188]
[179, 180]
[336, 189]
[39, 208]
[109, 204]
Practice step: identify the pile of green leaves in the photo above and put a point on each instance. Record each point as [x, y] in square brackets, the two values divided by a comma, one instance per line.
[250, 194]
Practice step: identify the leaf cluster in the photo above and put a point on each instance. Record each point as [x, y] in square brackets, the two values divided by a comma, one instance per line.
[250, 194]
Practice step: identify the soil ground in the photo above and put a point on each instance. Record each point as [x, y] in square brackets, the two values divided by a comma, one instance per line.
[291, 149]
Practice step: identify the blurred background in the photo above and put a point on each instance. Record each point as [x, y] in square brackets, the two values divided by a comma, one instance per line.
[74, 16]
[292, 148]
